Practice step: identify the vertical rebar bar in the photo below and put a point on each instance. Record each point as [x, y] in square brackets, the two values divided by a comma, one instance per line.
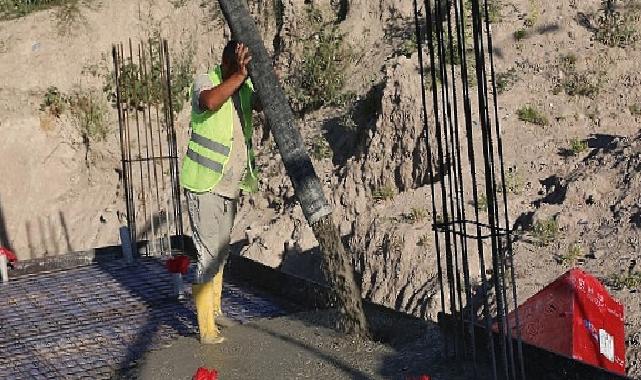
[459, 182]
[149, 147]
[174, 155]
[157, 76]
[428, 143]
[121, 126]
[145, 234]
[508, 237]
[450, 157]
[131, 218]
[461, 32]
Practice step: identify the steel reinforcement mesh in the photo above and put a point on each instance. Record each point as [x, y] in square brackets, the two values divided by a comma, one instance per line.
[92, 322]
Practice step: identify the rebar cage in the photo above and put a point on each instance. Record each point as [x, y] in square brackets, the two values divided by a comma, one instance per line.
[477, 299]
[143, 97]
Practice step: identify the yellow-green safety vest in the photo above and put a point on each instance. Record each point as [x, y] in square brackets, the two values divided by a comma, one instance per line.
[211, 141]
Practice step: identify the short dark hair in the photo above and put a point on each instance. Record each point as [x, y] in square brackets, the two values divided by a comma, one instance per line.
[229, 53]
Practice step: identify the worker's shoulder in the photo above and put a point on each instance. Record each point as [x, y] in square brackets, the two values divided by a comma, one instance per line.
[202, 82]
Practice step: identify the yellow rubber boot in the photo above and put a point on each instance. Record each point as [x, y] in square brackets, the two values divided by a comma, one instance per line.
[220, 318]
[204, 300]
[218, 293]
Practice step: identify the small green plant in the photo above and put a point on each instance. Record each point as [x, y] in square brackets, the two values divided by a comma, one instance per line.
[581, 84]
[393, 243]
[482, 203]
[416, 215]
[626, 281]
[321, 74]
[514, 182]
[215, 14]
[383, 193]
[544, 232]
[54, 102]
[533, 14]
[578, 146]
[578, 83]
[451, 52]
[520, 34]
[493, 10]
[347, 121]
[89, 111]
[573, 254]
[505, 80]
[321, 149]
[69, 15]
[10, 9]
[615, 28]
[530, 114]
[568, 61]
[635, 109]
[424, 241]
[138, 90]
[178, 3]
[409, 47]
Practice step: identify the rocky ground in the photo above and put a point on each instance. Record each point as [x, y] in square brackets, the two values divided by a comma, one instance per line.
[574, 183]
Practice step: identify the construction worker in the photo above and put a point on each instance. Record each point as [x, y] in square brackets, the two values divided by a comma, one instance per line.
[217, 166]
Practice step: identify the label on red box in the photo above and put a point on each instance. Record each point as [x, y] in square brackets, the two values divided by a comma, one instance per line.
[606, 345]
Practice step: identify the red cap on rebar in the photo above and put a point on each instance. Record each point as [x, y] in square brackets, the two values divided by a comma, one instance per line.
[11, 257]
[178, 264]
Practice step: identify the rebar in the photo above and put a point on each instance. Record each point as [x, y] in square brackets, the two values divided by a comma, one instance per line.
[142, 95]
[446, 20]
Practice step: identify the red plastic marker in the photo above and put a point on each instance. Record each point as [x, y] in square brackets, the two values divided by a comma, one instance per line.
[205, 374]
[420, 377]
[178, 264]
[11, 257]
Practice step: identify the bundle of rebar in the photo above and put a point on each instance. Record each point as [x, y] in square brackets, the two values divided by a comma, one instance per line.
[143, 98]
[461, 57]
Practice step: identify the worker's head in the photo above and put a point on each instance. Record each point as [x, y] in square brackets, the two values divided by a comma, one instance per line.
[230, 63]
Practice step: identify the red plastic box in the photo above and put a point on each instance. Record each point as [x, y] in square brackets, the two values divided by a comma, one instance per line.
[575, 316]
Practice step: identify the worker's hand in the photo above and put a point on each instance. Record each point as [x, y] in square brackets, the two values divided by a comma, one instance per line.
[243, 57]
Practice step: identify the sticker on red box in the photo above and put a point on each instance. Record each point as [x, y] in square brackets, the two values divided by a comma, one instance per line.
[606, 345]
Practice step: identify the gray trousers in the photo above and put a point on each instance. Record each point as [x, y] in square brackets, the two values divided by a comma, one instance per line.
[212, 218]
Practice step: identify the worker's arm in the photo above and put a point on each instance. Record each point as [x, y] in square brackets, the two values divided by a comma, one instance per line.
[214, 98]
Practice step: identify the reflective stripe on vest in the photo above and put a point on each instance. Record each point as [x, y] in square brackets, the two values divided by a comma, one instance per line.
[212, 145]
[204, 161]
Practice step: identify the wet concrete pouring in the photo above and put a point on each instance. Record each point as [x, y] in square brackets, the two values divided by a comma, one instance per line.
[111, 320]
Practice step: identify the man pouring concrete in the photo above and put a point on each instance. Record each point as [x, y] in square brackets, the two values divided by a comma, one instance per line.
[217, 166]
